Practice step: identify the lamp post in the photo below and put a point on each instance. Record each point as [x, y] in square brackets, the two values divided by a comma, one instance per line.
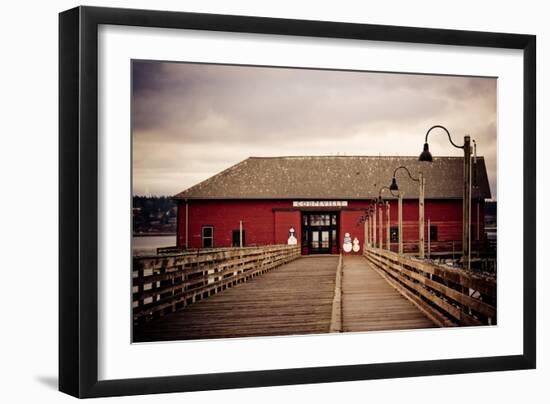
[380, 227]
[374, 226]
[388, 245]
[365, 219]
[379, 203]
[387, 205]
[421, 182]
[371, 223]
[367, 231]
[372, 212]
[467, 196]
[400, 221]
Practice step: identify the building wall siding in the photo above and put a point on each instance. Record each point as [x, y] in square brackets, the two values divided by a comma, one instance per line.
[284, 220]
[350, 223]
[268, 221]
[224, 215]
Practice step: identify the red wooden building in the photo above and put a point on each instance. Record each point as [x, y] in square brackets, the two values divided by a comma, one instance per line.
[315, 201]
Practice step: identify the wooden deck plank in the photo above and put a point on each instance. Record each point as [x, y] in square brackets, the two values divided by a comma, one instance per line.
[295, 298]
[369, 303]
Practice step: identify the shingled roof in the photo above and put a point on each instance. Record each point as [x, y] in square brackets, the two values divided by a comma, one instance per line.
[336, 177]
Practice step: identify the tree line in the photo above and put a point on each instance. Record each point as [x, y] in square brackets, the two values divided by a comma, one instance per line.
[153, 213]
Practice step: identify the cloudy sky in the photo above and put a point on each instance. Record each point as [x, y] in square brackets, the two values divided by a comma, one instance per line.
[190, 121]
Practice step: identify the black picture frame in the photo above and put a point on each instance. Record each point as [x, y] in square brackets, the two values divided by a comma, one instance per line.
[78, 200]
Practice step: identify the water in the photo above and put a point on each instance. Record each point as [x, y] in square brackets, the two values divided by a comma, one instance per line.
[146, 245]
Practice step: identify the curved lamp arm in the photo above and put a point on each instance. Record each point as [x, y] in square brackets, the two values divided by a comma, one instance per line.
[408, 172]
[446, 131]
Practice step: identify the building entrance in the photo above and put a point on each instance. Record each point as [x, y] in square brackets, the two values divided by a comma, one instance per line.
[320, 232]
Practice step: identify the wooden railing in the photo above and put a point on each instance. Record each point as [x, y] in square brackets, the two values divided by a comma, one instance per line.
[448, 296]
[169, 250]
[440, 247]
[162, 284]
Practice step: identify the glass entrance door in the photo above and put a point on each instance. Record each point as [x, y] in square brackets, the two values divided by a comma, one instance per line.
[320, 241]
[325, 240]
[320, 230]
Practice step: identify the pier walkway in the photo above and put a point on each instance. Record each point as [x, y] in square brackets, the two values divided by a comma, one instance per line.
[369, 303]
[292, 299]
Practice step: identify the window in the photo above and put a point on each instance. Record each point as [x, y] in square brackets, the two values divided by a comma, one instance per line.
[237, 238]
[433, 233]
[394, 234]
[324, 239]
[319, 220]
[207, 236]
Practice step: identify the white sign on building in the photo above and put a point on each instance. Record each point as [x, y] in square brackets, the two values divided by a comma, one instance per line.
[319, 204]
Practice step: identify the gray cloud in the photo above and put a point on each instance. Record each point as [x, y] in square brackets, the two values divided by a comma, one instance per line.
[191, 121]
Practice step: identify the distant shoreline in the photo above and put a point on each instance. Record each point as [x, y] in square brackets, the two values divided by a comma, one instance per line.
[153, 234]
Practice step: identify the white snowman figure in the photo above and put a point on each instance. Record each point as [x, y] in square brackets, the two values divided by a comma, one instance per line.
[292, 240]
[355, 245]
[347, 243]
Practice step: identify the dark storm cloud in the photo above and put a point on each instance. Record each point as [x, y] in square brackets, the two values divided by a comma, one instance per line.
[192, 120]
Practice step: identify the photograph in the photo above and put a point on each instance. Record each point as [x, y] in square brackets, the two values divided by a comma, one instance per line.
[284, 201]
[273, 202]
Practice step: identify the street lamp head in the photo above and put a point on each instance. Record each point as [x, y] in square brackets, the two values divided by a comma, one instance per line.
[426, 155]
[380, 201]
[393, 186]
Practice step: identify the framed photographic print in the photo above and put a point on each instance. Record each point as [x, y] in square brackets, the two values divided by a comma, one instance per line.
[250, 201]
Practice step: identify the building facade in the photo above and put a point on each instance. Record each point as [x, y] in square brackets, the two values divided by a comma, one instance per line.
[320, 203]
